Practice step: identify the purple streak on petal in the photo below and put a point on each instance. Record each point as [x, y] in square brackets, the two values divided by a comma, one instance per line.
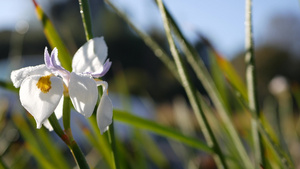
[106, 67]
[47, 59]
[53, 64]
[54, 60]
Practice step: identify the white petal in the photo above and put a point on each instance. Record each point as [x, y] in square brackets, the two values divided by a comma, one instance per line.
[48, 125]
[83, 93]
[59, 109]
[40, 105]
[58, 113]
[17, 76]
[105, 109]
[90, 57]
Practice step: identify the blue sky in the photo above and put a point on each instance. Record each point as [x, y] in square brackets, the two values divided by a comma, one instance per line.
[220, 21]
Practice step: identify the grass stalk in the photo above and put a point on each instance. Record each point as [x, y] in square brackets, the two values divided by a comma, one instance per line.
[86, 18]
[158, 51]
[204, 76]
[252, 87]
[189, 89]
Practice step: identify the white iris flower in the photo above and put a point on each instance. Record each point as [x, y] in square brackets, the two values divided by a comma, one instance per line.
[42, 87]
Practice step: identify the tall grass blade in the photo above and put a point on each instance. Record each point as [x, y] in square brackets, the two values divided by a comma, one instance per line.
[53, 38]
[141, 123]
[204, 76]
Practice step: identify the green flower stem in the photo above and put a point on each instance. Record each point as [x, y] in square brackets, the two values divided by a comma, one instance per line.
[203, 74]
[112, 142]
[208, 133]
[56, 126]
[78, 155]
[67, 112]
[67, 136]
[252, 89]
[86, 18]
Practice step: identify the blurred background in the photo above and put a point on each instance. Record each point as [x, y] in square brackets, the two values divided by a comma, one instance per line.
[138, 81]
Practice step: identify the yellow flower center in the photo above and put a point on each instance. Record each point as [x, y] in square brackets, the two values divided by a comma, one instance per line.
[44, 84]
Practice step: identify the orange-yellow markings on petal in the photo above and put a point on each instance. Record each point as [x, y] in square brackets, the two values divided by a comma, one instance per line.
[66, 90]
[44, 83]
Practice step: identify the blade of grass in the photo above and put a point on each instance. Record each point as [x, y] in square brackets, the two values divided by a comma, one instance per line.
[152, 44]
[99, 141]
[55, 154]
[53, 38]
[21, 158]
[160, 130]
[271, 140]
[204, 76]
[32, 144]
[231, 75]
[281, 156]
[221, 132]
[152, 149]
[111, 139]
[158, 51]
[218, 78]
[39, 156]
[86, 18]
[8, 86]
[252, 87]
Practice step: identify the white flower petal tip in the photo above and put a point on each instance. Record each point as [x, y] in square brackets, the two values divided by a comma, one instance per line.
[83, 93]
[17, 76]
[58, 113]
[91, 56]
[47, 125]
[40, 95]
[104, 113]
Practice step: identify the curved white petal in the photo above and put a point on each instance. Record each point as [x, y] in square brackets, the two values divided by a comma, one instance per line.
[83, 93]
[90, 57]
[48, 125]
[17, 76]
[104, 110]
[39, 104]
[58, 113]
[59, 109]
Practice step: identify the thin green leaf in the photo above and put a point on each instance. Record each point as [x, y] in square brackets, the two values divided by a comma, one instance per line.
[259, 150]
[160, 130]
[98, 141]
[158, 51]
[190, 91]
[203, 75]
[8, 86]
[281, 156]
[232, 76]
[218, 78]
[86, 18]
[54, 153]
[21, 158]
[53, 38]
[39, 156]
[32, 143]
[152, 149]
